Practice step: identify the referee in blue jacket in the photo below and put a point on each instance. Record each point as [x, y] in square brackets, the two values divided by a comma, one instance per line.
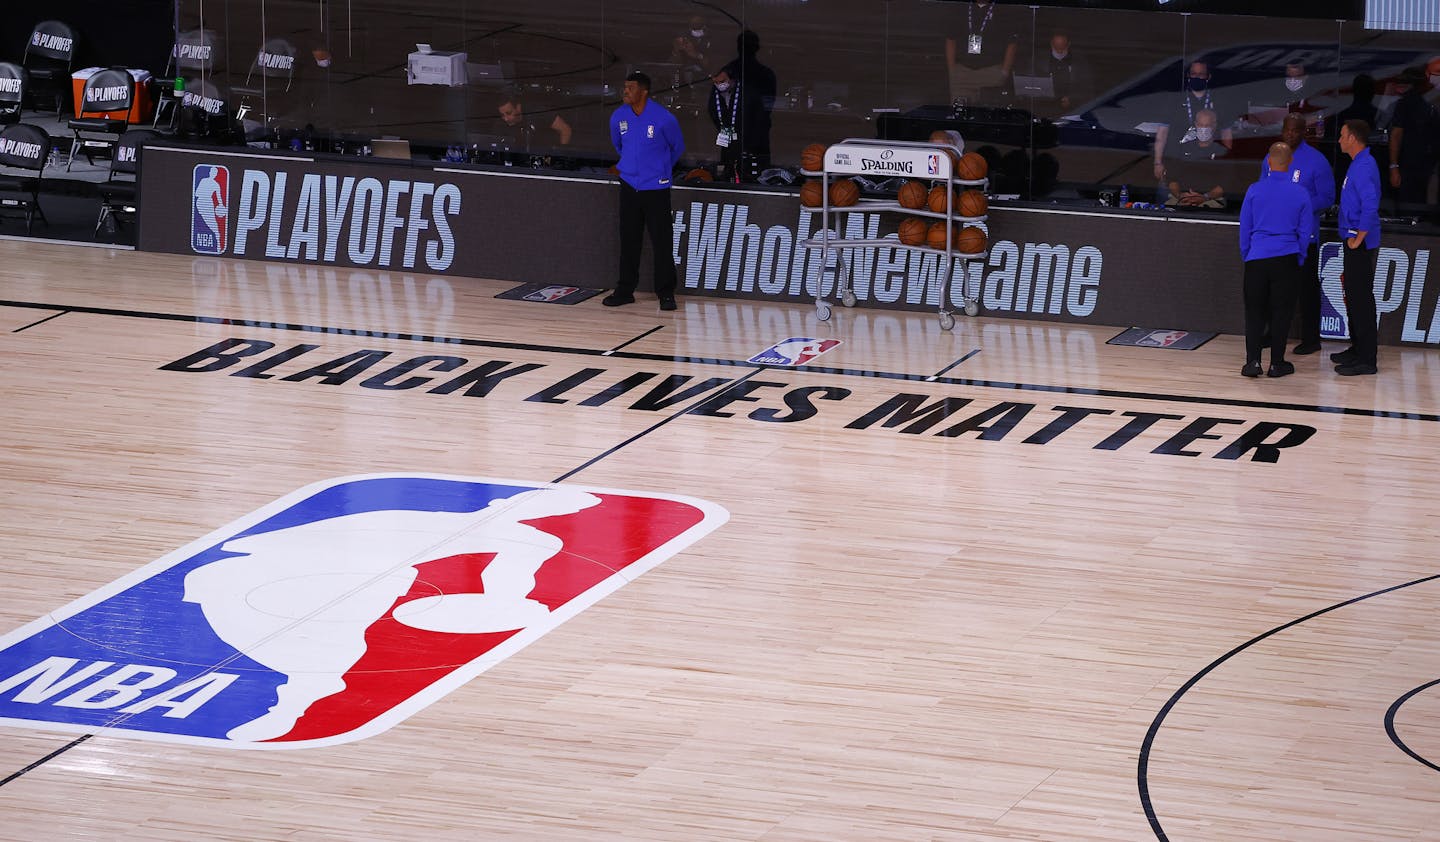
[1276, 226]
[1360, 228]
[1309, 169]
[649, 142]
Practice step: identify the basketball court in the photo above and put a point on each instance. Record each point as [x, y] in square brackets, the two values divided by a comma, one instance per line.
[1006, 582]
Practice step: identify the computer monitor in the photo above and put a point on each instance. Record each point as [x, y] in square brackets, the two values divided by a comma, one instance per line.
[1038, 86]
[389, 147]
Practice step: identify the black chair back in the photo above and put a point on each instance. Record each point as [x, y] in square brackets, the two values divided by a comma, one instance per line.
[196, 52]
[109, 90]
[13, 82]
[127, 151]
[53, 40]
[24, 146]
[276, 60]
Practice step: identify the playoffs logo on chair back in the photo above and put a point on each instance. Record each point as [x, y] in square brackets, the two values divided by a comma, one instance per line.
[109, 90]
[25, 146]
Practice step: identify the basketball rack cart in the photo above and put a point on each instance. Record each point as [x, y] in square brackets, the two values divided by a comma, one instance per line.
[890, 159]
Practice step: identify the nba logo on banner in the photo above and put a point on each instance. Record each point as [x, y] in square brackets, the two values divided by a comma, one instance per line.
[210, 189]
[337, 611]
[797, 350]
[932, 164]
[1333, 322]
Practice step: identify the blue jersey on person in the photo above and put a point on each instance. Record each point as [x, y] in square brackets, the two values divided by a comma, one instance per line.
[1310, 170]
[1360, 200]
[649, 144]
[1276, 219]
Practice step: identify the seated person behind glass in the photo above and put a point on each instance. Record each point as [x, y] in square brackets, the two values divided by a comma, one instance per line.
[525, 135]
[1193, 179]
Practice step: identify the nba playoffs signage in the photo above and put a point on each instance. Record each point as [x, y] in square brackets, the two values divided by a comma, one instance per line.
[337, 611]
[1105, 269]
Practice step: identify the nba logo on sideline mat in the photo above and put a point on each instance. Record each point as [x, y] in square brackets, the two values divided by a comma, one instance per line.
[797, 350]
[209, 208]
[337, 611]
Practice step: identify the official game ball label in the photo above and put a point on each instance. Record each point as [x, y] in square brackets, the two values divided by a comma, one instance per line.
[337, 611]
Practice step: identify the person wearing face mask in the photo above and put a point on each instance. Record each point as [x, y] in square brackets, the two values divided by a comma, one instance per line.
[1179, 128]
[1070, 73]
[724, 111]
[691, 52]
[1194, 180]
[1297, 88]
[1412, 140]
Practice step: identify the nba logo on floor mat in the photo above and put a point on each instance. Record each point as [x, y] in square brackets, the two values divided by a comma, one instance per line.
[337, 611]
[797, 350]
[210, 206]
[551, 293]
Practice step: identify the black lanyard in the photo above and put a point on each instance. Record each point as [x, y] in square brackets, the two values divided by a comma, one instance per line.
[970, 19]
[1190, 105]
[734, 104]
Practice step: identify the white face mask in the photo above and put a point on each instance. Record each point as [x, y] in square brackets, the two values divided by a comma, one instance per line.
[698, 33]
[1294, 83]
[722, 87]
[323, 62]
[1204, 134]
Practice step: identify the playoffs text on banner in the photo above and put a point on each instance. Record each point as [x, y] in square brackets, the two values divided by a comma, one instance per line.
[337, 611]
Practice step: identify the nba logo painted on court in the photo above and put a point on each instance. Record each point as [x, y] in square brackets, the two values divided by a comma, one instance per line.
[337, 611]
[797, 350]
[210, 188]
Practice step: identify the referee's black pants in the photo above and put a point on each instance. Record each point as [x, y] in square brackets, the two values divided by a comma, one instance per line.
[1309, 300]
[641, 210]
[1271, 284]
[1359, 284]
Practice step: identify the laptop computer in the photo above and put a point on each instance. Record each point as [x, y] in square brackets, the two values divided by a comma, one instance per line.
[389, 147]
[1037, 86]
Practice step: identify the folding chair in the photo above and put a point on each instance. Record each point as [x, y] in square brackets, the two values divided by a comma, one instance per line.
[23, 151]
[105, 93]
[195, 57]
[275, 62]
[119, 193]
[14, 84]
[47, 59]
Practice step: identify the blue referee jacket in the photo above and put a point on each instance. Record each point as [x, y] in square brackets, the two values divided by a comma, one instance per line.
[1276, 219]
[1310, 170]
[1360, 200]
[649, 144]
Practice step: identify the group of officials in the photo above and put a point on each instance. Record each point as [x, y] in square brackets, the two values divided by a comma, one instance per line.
[1279, 243]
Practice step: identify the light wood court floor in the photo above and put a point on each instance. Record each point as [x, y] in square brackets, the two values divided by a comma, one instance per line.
[1054, 591]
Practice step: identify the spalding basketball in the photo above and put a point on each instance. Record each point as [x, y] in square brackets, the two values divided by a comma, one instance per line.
[699, 174]
[912, 195]
[912, 231]
[812, 157]
[811, 194]
[938, 200]
[973, 203]
[935, 237]
[972, 240]
[844, 193]
[972, 167]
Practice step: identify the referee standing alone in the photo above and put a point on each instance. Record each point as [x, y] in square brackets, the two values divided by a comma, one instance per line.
[1276, 225]
[649, 142]
[1360, 226]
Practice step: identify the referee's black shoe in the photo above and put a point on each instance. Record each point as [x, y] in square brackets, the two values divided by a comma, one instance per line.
[1252, 369]
[1345, 357]
[1281, 369]
[1305, 348]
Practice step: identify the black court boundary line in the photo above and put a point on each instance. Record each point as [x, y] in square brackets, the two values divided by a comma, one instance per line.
[41, 322]
[685, 410]
[936, 376]
[1390, 723]
[633, 341]
[843, 372]
[1142, 773]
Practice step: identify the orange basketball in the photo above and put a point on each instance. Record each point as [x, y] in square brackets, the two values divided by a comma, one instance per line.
[972, 240]
[699, 174]
[938, 199]
[844, 193]
[935, 237]
[811, 194]
[973, 203]
[912, 195]
[972, 167]
[812, 157]
[912, 231]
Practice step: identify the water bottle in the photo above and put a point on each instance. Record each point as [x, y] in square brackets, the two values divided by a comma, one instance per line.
[1124, 195]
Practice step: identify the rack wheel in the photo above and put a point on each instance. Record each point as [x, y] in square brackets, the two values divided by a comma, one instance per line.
[947, 321]
[822, 310]
[972, 308]
[847, 298]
